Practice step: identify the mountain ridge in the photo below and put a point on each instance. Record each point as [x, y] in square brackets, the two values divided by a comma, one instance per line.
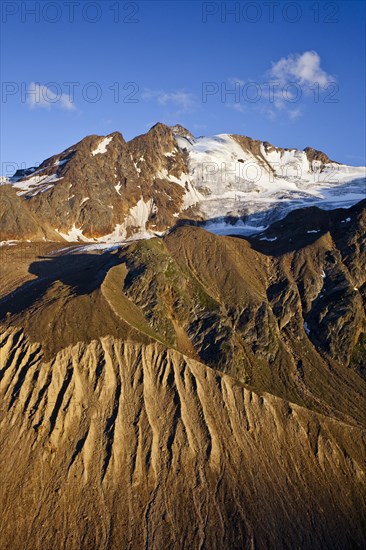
[106, 189]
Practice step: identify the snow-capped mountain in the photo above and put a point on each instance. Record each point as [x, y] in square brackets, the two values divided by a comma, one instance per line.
[107, 189]
[243, 178]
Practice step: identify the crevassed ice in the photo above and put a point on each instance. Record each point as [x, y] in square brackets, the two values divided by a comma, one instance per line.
[234, 182]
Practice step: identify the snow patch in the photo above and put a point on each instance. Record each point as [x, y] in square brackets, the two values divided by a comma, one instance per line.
[61, 162]
[36, 184]
[102, 147]
[171, 153]
[191, 196]
[75, 234]
[140, 213]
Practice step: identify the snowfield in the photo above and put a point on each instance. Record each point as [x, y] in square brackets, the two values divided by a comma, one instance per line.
[234, 182]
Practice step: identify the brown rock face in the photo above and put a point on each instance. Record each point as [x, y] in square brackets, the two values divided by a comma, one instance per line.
[314, 154]
[187, 391]
[254, 146]
[17, 220]
[94, 189]
[179, 130]
[157, 156]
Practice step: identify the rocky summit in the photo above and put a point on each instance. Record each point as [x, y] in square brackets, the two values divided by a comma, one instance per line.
[183, 347]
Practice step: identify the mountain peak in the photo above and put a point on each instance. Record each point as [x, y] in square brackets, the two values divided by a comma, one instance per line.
[160, 128]
[176, 129]
[181, 131]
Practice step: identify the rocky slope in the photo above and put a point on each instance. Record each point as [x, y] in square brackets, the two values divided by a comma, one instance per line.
[104, 188]
[187, 391]
[116, 445]
[18, 222]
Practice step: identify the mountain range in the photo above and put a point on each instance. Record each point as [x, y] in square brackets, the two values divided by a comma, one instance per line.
[183, 347]
[107, 189]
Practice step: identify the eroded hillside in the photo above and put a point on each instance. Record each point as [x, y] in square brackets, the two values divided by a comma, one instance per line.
[117, 445]
[189, 391]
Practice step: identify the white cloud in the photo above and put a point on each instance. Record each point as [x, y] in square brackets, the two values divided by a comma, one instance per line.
[41, 96]
[290, 79]
[302, 68]
[181, 98]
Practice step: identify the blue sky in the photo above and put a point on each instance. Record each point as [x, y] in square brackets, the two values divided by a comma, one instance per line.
[297, 70]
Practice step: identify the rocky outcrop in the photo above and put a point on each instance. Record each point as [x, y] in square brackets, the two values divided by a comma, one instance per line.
[314, 154]
[327, 255]
[104, 187]
[161, 166]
